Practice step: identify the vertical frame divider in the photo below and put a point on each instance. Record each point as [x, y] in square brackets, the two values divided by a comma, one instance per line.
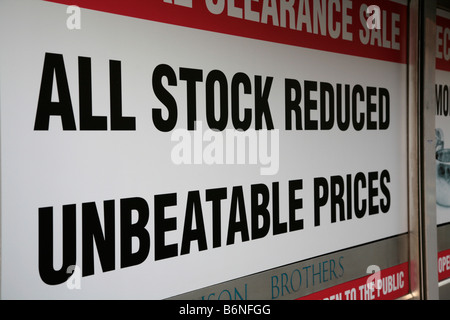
[421, 149]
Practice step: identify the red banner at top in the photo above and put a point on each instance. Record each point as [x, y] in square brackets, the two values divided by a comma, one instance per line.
[338, 26]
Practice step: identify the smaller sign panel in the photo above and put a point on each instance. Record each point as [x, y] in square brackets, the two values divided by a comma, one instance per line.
[388, 284]
[444, 265]
[442, 87]
[341, 274]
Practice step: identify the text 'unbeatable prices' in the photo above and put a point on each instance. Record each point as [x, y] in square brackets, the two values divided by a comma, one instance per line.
[201, 220]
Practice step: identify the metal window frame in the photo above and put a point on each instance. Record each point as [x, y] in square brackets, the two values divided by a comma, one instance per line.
[421, 149]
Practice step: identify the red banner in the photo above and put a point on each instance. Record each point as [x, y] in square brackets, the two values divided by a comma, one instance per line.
[444, 265]
[443, 43]
[339, 26]
[387, 284]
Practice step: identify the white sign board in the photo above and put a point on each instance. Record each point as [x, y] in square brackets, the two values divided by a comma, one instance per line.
[121, 164]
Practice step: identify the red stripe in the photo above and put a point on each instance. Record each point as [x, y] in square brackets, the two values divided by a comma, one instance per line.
[199, 17]
[444, 265]
[394, 284]
[443, 49]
